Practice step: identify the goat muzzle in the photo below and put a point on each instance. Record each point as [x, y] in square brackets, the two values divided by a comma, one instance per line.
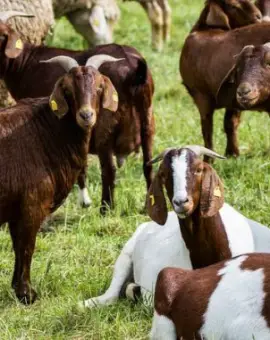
[247, 95]
[183, 207]
[86, 116]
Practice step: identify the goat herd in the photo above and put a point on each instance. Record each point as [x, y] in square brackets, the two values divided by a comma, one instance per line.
[99, 101]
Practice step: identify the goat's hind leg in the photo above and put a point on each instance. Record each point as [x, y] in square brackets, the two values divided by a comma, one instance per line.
[162, 328]
[83, 199]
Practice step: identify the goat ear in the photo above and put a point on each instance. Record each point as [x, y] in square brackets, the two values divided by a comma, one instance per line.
[110, 96]
[212, 192]
[226, 92]
[58, 103]
[216, 17]
[156, 202]
[14, 45]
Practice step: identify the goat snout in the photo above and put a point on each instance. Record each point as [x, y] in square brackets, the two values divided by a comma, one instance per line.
[246, 94]
[86, 115]
[258, 17]
[182, 205]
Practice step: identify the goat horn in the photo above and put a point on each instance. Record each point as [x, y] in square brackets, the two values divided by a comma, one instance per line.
[201, 150]
[66, 62]
[160, 156]
[5, 16]
[97, 60]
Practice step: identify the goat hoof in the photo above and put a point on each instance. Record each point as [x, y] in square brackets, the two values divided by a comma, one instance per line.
[232, 153]
[27, 295]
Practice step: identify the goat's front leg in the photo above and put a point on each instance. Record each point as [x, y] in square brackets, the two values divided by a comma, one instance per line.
[108, 180]
[167, 19]
[162, 328]
[232, 120]
[83, 198]
[23, 234]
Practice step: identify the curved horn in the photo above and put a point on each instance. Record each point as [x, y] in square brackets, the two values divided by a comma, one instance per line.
[5, 16]
[201, 150]
[97, 60]
[66, 62]
[160, 156]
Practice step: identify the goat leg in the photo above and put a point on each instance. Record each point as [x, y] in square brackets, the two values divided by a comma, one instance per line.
[108, 180]
[23, 236]
[83, 198]
[232, 120]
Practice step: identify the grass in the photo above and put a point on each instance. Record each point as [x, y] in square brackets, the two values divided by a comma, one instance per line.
[75, 260]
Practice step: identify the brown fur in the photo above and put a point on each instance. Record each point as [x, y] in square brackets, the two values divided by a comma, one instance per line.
[118, 134]
[202, 228]
[183, 295]
[42, 156]
[207, 56]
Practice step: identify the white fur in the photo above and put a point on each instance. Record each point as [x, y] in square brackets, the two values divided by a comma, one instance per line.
[153, 247]
[180, 166]
[235, 307]
[162, 328]
[83, 198]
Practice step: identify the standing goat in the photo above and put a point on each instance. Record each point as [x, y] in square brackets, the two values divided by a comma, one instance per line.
[201, 230]
[208, 55]
[43, 147]
[116, 134]
[228, 300]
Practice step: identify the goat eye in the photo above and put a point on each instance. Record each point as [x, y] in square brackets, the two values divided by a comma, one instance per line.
[198, 171]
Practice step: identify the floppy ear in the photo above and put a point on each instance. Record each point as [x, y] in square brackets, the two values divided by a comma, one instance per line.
[217, 18]
[212, 192]
[227, 89]
[14, 45]
[58, 103]
[156, 202]
[110, 96]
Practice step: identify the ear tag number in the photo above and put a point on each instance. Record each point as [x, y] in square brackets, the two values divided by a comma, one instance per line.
[217, 192]
[53, 105]
[152, 199]
[19, 44]
[115, 97]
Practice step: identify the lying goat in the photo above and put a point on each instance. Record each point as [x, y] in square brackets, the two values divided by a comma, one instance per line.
[208, 55]
[201, 230]
[228, 300]
[43, 147]
[119, 134]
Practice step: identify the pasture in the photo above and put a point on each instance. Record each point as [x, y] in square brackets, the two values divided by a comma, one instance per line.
[74, 260]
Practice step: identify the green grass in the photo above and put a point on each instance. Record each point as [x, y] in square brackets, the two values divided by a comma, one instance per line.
[75, 260]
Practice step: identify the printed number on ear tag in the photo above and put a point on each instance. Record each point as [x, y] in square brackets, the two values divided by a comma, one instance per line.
[53, 105]
[217, 192]
[115, 97]
[19, 44]
[152, 199]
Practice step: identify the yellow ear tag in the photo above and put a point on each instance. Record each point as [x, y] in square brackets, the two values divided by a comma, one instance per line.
[115, 97]
[96, 23]
[53, 105]
[152, 199]
[217, 192]
[19, 44]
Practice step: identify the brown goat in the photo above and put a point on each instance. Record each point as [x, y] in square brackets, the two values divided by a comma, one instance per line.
[228, 300]
[207, 56]
[119, 134]
[43, 147]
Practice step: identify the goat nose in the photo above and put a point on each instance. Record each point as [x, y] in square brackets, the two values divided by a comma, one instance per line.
[178, 202]
[244, 89]
[258, 16]
[86, 115]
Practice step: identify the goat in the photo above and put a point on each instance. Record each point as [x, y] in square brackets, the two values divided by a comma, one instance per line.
[190, 238]
[228, 300]
[43, 147]
[264, 7]
[119, 134]
[207, 56]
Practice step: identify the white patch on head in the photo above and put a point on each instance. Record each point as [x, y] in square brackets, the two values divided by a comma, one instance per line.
[235, 307]
[84, 199]
[179, 166]
[162, 328]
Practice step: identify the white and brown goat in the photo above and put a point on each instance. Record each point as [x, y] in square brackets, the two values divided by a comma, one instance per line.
[228, 300]
[200, 231]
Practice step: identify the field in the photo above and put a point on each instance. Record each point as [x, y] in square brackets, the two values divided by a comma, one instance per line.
[74, 261]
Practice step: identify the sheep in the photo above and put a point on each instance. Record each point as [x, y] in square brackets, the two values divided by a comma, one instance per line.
[193, 241]
[159, 14]
[228, 300]
[119, 134]
[208, 55]
[43, 147]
